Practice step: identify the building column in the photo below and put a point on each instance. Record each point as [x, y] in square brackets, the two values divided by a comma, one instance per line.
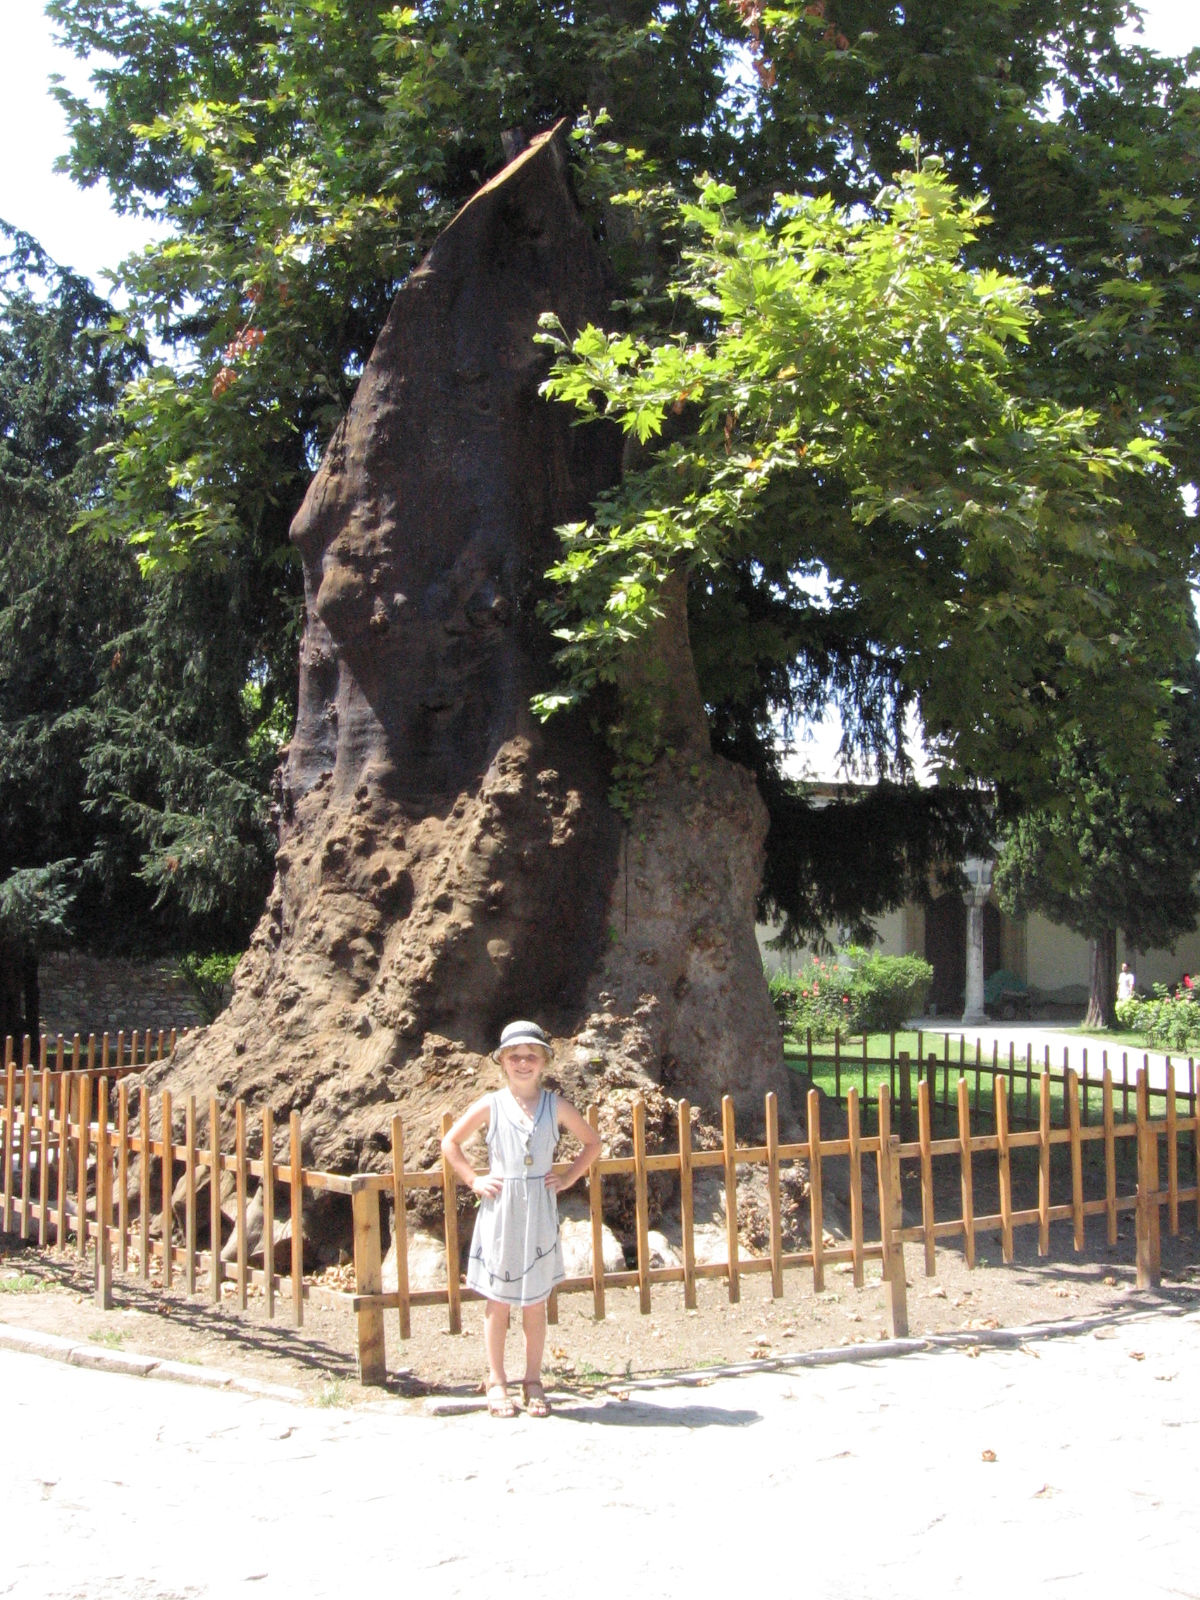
[979, 877]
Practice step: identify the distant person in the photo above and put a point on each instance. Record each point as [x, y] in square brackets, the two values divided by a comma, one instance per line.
[1126, 982]
[516, 1256]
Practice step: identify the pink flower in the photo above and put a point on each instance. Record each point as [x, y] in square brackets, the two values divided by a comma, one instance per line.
[1187, 982]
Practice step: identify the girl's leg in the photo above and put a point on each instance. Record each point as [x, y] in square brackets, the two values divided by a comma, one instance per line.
[495, 1332]
[533, 1319]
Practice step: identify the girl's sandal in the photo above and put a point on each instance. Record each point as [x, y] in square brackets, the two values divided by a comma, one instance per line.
[534, 1396]
[498, 1403]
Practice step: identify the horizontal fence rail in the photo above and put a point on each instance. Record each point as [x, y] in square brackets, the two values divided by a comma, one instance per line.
[70, 1153]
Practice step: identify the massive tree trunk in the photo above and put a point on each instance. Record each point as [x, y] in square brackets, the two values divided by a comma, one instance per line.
[445, 862]
[1102, 981]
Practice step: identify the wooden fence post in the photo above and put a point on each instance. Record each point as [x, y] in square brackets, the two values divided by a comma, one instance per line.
[965, 1174]
[450, 1220]
[924, 1097]
[774, 1205]
[1044, 1166]
[168, 1188]
[239, 1148]
[641, 1204]
[216, 1272]
[64, 1148]
[400, 1229]
[1149, 1271]
[104, 1297]
[816, 1205]
[1072, 1091]
[884, 1116]
[729, 1145]
[856, 1196]
[268, 1201]
[44, 1162]
[123, 1175]
[368, 1280]
[26, 1134]
[891, 1220]
[596, 1211]
[686, 1207]
[296, 1196]
[81, 1164]
[1001, 1090]
[189, 1179]
[10, 1110]
[144, 1179]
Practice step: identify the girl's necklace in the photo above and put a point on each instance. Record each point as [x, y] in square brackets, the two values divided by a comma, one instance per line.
[528, 1137]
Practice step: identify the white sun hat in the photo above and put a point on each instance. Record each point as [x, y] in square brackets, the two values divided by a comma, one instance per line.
[521, 1033]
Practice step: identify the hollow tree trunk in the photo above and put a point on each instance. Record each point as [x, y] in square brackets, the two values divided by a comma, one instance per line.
[1102, 980]
[446, 863]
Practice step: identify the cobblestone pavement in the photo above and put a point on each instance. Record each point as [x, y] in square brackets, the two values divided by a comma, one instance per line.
[841, 1481]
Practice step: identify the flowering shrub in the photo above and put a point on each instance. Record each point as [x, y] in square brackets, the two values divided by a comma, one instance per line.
[854, 992]
[1170, 1020]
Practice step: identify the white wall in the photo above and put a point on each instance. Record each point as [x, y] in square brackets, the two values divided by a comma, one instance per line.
[1056, 958]
[889, 931]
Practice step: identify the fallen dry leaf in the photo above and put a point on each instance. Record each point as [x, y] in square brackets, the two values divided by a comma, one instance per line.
[987, 1455]
[1137, 1355]
[974, 1350]
[1110, 1282]
[1044, 1493]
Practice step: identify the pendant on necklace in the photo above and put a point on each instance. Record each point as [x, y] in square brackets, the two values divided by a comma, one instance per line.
[528, 1159]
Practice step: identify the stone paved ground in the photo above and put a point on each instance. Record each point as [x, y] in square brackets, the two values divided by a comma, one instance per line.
[843, 1481]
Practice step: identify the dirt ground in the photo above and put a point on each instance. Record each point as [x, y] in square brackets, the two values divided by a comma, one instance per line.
[40, 1290]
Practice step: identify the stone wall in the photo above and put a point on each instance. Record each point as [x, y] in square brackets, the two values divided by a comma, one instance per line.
[93, 994]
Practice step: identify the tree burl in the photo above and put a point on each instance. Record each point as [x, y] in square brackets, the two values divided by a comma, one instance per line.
[446, 862]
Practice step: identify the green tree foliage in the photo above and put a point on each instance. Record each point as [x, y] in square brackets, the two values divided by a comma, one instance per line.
[1100, 860]
[61, 600]
[305, 153]
[130, 810]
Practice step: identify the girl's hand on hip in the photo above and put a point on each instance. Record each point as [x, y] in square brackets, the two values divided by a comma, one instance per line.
[487, 1187]
[556, 1183]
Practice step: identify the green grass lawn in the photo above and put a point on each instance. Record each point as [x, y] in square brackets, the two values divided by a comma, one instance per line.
[1026, 1091]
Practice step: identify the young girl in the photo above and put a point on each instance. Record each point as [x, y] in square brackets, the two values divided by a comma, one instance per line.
[516, 1256]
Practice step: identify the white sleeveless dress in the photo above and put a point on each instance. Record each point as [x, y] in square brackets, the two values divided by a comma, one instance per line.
[516, 1256]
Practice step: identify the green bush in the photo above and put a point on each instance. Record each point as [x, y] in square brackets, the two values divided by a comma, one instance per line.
[209, 977]
[1170, 1020]
[855, 991]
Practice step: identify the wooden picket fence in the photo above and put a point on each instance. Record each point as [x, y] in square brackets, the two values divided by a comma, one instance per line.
[846, 1065]
[49, 1123]
[110, 1054]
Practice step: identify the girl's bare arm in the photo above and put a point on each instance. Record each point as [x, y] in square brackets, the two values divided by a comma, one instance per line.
[589, 1139]
[474, 1118]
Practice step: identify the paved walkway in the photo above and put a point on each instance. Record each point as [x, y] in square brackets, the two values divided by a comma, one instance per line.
[840, 1482]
